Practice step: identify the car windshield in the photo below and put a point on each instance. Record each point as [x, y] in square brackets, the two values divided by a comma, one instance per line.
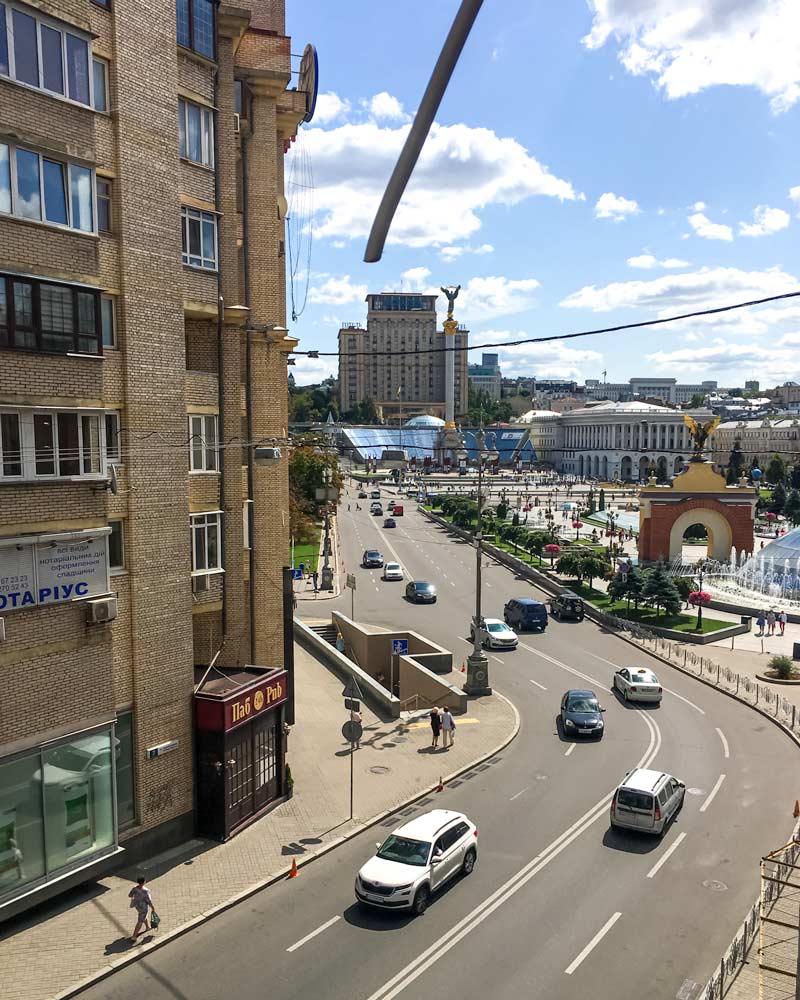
[371, 554]
[424, 586]
[392, 566]
[634, 800]
[496, 627]
[582, 705]
[407, 852]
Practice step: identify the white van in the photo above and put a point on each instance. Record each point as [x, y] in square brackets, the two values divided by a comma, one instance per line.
[646, 801]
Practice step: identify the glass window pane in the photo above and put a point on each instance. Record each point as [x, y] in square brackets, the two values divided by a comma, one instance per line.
[213, 543]
[11, 447]
[195, 146]
[58, 323]
[211, 444]
[182, 18]
[208, 137]
[24, 334]
[21, 826]
[209, 248]
[199, 535]
[126, 799]
[194, 239]
[78, 69]
[68, 447]
[26, 56]
[28, 200]
[55, 195]
[104, 206]
[3, 40]
[52, 68]
[107, 317]
[182, 126]
[4, 339]
[112, 436]
[100, 81]
[203, 25]
[81, 198]
[43, 444]
[79, 810]
[90, 444]
[5, 178]
[196, 434]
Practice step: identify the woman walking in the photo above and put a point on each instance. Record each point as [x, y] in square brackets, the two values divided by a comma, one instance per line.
[436, 726]
[142, 902]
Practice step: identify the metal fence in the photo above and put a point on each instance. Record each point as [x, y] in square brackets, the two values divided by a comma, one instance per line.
[733, 959]
[780, 924]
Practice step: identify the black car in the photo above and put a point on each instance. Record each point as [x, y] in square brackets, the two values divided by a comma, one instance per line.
[372, 559]
[567, 606]
[362, 495]
[376, 511]
[390, 522]
[421, 592]
[581, 714]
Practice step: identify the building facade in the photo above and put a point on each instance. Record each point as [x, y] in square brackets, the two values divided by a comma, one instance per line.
[667, 390]
[372, 364]
[142, 344]
[486, 376]
[758, 441]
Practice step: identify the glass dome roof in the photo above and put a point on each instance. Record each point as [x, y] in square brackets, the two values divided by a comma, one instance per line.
[425, 420]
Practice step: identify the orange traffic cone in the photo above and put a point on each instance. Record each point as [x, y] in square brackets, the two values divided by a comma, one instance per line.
[293, 872]
[796, 808]
[440, 786]
[464, 667]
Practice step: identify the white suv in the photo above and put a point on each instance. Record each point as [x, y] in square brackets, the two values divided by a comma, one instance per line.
[416, 860]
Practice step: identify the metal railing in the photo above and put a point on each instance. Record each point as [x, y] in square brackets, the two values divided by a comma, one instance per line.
[734, 958]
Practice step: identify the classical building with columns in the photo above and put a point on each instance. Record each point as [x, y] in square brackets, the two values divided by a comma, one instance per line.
[623, 440]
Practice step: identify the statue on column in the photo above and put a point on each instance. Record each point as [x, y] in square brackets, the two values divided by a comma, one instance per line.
[451, 294]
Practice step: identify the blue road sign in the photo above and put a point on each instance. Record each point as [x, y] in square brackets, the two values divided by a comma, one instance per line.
[297, 574]
[400, 646]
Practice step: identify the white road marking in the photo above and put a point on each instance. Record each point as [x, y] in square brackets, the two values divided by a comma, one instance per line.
[666, 855]
[712, 793]
[498, 660]
[570, 748]
[725, 749]
[668, 690]
[538, 685]
[313, 934]
[452, 583]
[469, 642]
[472, 920]
[519, 793]
[593, 943]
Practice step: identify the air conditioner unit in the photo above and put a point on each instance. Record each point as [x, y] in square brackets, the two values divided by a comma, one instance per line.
[237, 122]
[200, 584]
[104, 609]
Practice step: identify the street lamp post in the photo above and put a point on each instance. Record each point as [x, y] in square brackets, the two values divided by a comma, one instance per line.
[477, 682]
[701, 565]
[327, 572]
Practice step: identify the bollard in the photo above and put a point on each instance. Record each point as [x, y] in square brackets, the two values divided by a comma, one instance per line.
[737, 683]
[685, 653]
[717, 673]
[794, 711]
[756, 694]
[732, 638]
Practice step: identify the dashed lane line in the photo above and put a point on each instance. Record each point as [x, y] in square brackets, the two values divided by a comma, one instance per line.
[593, 943]
[666, 855]
[712, 793]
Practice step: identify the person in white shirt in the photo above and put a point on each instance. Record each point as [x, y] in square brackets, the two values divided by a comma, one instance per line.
[448, 728]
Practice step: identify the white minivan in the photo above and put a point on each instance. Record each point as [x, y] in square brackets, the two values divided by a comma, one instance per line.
[646, 801]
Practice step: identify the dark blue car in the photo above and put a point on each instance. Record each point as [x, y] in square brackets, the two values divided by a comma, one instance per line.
[525, 614]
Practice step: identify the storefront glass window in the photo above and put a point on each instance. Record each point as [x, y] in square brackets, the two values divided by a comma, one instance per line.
[126, 805]
[78, 799]
[21, 833]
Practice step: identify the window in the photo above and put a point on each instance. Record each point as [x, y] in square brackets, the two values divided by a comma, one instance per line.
[53, 318]
[103, 205]
[59, 444]
[199, 238]
[113, 453]
[43, 54]
[205, 543]
[116, 545]
[126, 775]
[100, 84]
[39, 189]
[108, 321]
[195, 25]
[196, 127]
[203, 443]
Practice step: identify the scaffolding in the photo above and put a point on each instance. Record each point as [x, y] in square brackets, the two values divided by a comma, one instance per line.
[778, 973]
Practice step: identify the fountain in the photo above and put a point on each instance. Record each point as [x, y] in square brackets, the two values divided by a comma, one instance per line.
[766, 577]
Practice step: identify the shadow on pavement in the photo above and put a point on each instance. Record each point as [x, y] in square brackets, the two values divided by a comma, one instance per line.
[650, 706]
[52, 908]
[373, 919]
[630, 842]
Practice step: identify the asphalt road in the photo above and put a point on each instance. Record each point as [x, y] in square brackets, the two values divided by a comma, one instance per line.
[558, 904]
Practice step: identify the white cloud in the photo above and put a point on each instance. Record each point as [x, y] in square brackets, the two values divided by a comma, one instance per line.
[461, 171]
[794, 194]
[703, 226]
[551, 360]
[310, 371]
[454, 252]
[691, 46]
[767, 221]
[647, 262]
[699, 206]
[486, 298]
[416, 278]
[781, 362]
[337, 292]
[615, 207]
[329, 107]
[706, 288]
[384, 107]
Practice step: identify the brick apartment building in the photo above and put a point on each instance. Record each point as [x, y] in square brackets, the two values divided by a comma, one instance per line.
[143, 351]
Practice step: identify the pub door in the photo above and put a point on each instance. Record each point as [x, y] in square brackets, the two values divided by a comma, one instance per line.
[267, 785]
[240, 777]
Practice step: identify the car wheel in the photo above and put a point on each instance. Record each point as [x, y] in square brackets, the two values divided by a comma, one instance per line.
[421, 899]
[469, 862]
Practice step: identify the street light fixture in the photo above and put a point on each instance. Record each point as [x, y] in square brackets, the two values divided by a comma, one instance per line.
[477, 682]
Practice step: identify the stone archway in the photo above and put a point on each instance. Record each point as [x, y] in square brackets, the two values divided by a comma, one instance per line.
[677, 466]
[626, 469]
[580, 466]
[720, 536]
[644, 466]
[604, 468]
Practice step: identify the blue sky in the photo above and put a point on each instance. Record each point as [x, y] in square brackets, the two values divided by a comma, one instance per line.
[593, 162]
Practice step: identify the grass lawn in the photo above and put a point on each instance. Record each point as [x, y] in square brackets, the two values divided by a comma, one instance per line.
[647, 616]
[308, 552]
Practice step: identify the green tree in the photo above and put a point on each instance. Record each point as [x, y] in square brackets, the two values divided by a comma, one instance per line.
[777, 501]
[776, 470]
[618, 587]
[483, 408]
[536, 543]
[661, 592]
[502, 510]
[791, 509]
[592, 565]
[515, 518]
[795, 477]
[685, 585]
[570, 564]
[783, 667]
[306, 475]
[590, 500]
[364, 412]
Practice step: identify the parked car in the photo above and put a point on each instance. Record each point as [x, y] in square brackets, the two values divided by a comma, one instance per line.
[389, 522]
[397, 511]
[421, 592]
[416, 860]
[376, 511]
[647, 801]
[581, 714]
[638, 684]
[376, 494]
[392, 571]
[362, 494]
[496, 634]
[524, 613]
[567, 607]
[372, 559]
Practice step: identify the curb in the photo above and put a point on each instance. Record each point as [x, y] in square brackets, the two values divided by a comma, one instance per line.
[251, 890]
[776, 680]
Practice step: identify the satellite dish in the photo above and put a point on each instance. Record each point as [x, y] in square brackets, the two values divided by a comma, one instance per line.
[308, 80]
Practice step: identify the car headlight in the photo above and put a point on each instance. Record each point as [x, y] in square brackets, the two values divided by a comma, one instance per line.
[600, 723]
[569, 722]
[402, 888]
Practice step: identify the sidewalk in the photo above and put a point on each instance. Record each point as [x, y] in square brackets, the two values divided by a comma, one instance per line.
[81, 936]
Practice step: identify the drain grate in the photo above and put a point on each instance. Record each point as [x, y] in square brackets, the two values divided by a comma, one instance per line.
[426, 802]
[379, 769]
[454, 784]
[466, 777]
[482, 767]
[714, 885]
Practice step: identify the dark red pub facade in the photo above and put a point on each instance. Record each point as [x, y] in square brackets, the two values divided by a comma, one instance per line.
[241, 748]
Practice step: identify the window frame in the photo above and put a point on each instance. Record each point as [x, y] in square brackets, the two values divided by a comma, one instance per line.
[206, 132]
[104, 66]
[108, 198]
[68, 168]
[198, 441]
[53, 455]
[112, 457]
[113, 568]
[188, 213]
[199, 524]
[10, 280]
[191, 30]
[64, 28]
[114, 345]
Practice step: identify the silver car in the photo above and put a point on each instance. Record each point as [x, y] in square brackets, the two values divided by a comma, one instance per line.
[646, 801]
[637, 684]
